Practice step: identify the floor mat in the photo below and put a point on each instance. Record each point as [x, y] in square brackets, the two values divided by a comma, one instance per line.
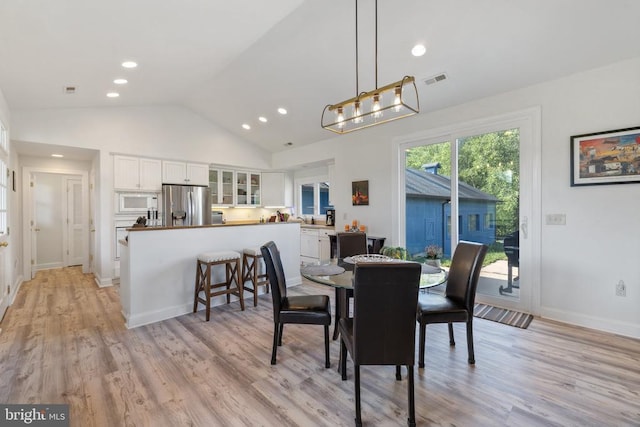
[502, 315]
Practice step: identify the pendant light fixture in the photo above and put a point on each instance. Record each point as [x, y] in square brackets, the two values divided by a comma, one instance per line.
[381, 105]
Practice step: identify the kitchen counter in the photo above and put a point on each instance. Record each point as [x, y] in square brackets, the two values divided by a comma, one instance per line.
[158, 265]
[317, 226]
[230, 224]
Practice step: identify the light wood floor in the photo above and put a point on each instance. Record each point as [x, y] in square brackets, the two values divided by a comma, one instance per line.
[63, 341]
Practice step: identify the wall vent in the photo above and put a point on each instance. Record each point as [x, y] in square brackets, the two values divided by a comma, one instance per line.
[435, 79]
[70, 90]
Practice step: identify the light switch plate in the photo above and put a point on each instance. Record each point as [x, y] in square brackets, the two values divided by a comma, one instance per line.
[556, 219]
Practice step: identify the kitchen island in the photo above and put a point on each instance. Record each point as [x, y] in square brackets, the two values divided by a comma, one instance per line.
[158, 265]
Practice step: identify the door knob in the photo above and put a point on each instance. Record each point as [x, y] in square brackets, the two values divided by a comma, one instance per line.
[4, 244]
[37, 229]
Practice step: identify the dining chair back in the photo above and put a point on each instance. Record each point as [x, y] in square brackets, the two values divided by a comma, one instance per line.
[300, 309]
[457, 303]
[349, 244]
[382, 330]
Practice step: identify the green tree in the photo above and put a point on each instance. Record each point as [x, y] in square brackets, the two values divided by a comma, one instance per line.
[488, 162]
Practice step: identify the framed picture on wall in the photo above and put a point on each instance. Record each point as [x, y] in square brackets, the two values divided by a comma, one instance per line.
[611, 157]
[360, 193]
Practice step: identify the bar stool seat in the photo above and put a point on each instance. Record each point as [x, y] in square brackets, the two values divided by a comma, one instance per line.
[250, 272]
[206, 260]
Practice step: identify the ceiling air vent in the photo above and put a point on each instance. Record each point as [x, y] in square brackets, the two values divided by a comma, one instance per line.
[435, 79]
[69, 90]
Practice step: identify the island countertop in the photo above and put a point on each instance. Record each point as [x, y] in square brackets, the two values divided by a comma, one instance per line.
[157, 267]
[230, 224]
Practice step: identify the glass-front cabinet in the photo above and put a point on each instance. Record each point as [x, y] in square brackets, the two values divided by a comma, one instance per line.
[247, 188]
[227, 187]
[221, 185]
[254, 182]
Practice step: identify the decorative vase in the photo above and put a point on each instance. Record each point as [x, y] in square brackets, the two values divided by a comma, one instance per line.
[433, 262]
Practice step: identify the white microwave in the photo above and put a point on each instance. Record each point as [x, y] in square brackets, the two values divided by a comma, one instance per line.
[137, 202]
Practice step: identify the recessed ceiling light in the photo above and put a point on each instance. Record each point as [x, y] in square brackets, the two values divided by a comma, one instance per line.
[262, 119]
[129, 64]
[246, 126]
[282, 111]
[120, 81]
[113, 95]
[57, 155]
[418, 50]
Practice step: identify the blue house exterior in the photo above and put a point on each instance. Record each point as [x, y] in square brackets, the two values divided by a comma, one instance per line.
[428, 211]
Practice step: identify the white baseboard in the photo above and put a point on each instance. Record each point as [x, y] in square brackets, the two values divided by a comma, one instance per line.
[48, 266]
[15, 288]
[626, 329]
[102, 282]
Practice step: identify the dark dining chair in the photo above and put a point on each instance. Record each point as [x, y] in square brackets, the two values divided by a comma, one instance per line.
[382, 330]
[347, 244]
[303, 309]
[458, 300]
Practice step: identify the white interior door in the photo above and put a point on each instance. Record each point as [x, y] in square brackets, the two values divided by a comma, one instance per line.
[5, 290]
[34, 230]
[73, 247]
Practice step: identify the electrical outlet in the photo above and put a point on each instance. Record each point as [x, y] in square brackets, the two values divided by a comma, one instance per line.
[621, 289]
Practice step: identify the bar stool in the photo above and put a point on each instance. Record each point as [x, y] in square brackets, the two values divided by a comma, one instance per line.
[206, 260]
[250, 266]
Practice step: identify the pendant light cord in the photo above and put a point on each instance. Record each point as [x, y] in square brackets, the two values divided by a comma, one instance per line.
[376, 44]
[357, 86]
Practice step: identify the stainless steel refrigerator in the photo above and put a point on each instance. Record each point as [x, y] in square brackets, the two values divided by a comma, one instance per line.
[185, 205]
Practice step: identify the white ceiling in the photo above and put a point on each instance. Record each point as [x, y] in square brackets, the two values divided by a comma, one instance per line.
[232, 61]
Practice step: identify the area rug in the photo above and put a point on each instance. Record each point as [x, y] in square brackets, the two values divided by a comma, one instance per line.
[502, 315]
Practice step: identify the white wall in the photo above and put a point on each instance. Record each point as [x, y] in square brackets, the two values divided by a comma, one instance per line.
[162, 132]
[580, 263]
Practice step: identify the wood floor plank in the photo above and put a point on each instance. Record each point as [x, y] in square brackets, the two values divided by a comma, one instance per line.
[64, 341]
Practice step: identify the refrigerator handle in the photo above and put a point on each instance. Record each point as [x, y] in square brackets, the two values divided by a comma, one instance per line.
[190, 207]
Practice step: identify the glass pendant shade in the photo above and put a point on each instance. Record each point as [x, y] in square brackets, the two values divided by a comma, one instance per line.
[385, 104]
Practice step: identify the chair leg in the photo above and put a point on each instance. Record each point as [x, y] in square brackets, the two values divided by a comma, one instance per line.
[343, 360]
[472, 359]
[207, 291]
[411, 422]
[327, 363]
[398, 373]
[356, 372]
[276, 333]
[451, 340]
[239, 284]
[339, 295]
[253, 269]
[280, 330]
[197, 291]
[423, 326]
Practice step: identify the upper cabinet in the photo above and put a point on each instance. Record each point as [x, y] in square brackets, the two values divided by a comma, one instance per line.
[248, 191]
[185, 173]
[136, 173]
[277, 189]
[221, 186]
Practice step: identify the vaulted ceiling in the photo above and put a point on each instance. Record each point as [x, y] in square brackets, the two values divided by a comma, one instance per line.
[233, 61]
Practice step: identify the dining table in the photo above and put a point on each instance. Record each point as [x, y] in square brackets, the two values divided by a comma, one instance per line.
[338, 273]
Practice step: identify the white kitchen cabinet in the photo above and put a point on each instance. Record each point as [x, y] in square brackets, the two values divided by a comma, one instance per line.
[185, 173]
[277, 190]
[248, 191]
[315, 244]
[137, 173]
[309, 248]
[221, 186]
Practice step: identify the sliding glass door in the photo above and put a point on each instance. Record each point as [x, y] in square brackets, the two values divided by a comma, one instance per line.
[467, 186]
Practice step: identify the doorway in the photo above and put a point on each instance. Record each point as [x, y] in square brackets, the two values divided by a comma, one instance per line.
[477, 182]
[56, 228]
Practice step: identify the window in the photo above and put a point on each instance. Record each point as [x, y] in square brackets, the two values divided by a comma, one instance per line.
[314, 198]
[474, 222]
[488, 221]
